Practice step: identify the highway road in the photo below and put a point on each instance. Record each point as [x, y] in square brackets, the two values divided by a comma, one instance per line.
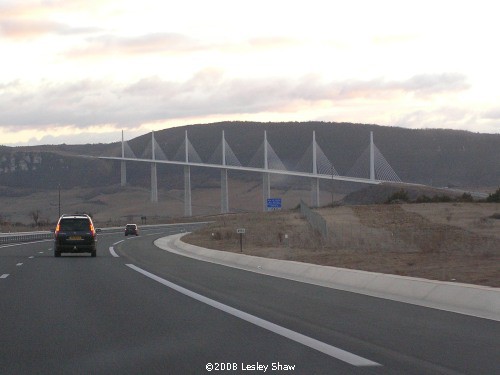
[137, 309]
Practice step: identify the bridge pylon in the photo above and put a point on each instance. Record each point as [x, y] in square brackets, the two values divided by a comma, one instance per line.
[123, 174]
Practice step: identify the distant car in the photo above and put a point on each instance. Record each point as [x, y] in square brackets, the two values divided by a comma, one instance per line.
[131, 229]
[75, 234]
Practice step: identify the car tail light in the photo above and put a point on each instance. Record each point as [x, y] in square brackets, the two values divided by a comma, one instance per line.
[58, 228]
[92, 229]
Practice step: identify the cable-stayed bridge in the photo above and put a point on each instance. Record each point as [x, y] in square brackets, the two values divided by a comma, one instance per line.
[370, 168]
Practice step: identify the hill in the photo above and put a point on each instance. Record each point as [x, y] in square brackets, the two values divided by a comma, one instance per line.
[431, 157]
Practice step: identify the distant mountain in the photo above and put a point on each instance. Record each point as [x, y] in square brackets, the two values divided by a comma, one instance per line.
[433, 157]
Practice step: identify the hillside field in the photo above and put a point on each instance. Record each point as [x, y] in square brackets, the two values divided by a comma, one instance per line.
[442, 241]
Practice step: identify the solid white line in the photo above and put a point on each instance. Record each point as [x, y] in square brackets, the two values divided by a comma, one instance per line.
[112, 251]
[332, 351]
[4, 276]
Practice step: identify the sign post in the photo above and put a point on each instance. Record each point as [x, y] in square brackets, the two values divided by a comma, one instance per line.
[274, 204]
[241, 232]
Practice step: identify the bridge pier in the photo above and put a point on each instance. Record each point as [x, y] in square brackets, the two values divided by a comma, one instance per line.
[154, 179]
[187, 191]
[315, 192]
[224, 196]
[154, 184]
[372, 158]
[123, 179]
[266, 189]
[188, 211]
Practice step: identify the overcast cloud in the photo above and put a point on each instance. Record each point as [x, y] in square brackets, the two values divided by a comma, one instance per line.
[86, 69]
[86, 102]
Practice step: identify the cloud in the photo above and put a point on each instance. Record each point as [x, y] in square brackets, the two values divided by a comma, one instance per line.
[208, 92]
[492, 114]
[272, 42]
[390, 39]
[444, 118]
[28, 29]
[37, 9]
[34, 19]
[425, 84]
[419, 85]
[169, 43]
[105, 45]
[29, 20]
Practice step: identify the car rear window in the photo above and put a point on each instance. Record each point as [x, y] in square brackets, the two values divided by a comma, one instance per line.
[130, 226]
[74, 225]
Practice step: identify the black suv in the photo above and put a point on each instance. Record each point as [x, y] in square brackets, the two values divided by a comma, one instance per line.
[75, 234]
[131, 229]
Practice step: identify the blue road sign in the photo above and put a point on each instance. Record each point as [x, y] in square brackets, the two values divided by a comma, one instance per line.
[274, 203]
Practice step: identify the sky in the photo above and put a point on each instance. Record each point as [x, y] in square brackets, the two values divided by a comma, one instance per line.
[81, 71]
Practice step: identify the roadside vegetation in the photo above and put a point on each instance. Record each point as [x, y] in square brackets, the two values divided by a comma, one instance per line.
[402, 196]
[451, 241]
[494, 197]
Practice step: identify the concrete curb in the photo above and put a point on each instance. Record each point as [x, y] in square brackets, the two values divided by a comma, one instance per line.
[473, 300]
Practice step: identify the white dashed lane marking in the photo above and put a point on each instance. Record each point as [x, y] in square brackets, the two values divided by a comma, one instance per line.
[19, 264]
[4, 276]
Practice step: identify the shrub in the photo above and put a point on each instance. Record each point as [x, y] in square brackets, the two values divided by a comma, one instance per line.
[495, 197]
[423, 199]
[441, 198]
[401, 195]
[466, 197]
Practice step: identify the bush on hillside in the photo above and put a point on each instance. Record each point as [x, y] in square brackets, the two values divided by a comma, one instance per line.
[495, 197]
[398, 196]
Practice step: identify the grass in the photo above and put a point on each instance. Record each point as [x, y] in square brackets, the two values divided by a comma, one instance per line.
[440, 241]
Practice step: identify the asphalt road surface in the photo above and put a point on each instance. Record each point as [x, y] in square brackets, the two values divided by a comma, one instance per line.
[136, 309]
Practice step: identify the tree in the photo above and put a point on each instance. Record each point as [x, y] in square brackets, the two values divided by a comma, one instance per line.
[35, 215]
[495, 197]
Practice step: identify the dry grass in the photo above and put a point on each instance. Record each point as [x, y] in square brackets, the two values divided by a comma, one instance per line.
[114, 205]
[412, 240]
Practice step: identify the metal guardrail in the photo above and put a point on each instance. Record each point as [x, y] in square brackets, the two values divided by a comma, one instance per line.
[8, 238]
[314, 219]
